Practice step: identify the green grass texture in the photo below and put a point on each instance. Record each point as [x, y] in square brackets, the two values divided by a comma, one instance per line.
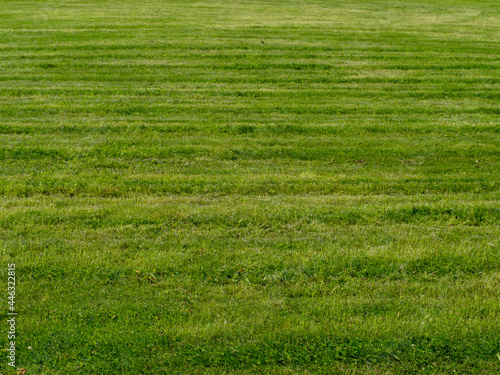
[251, 186]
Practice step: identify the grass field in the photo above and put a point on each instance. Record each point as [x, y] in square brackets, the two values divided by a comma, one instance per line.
[251, 187]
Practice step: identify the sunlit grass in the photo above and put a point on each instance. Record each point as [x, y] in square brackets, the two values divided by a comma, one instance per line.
[246, 187]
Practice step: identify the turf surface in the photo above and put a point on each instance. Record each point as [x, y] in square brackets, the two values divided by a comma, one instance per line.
[245, 187]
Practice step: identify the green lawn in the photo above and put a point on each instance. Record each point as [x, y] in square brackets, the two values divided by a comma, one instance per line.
[251, 187]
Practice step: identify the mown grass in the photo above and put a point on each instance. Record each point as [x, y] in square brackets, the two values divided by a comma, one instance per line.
[251, 187]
